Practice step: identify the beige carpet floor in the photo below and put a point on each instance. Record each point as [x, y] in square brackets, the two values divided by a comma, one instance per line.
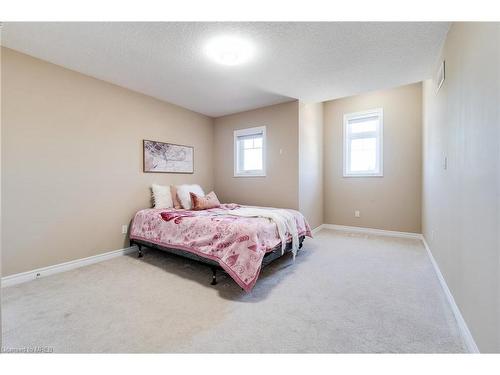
[345, 293]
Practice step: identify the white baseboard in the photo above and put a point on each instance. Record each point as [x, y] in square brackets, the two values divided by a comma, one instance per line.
[62, 267]
[379, 232]
[462, 325]
[317, 229]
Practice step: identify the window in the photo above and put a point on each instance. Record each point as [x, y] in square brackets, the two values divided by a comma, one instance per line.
[363, 143]
[250, 152]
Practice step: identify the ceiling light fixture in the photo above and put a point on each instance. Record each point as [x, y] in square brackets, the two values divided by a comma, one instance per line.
[229, 50]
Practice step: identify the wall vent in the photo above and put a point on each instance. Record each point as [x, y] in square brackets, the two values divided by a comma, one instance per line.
[440, 76]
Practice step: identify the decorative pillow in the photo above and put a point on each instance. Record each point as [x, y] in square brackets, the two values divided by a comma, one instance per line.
[204, 203]
[175, 199]
[161, 196]
[184, 196]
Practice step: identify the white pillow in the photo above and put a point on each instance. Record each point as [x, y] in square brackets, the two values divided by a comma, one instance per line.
[161, 196]
[184, 196]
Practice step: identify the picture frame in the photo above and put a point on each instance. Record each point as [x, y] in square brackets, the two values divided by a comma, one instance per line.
[163, 157]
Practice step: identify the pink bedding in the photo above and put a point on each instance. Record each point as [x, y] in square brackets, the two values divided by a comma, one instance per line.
[238, 244]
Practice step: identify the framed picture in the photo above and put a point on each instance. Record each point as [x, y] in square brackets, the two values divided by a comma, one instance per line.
[160, 157]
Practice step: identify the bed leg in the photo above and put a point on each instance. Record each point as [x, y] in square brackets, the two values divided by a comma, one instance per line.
[140, 251]
[300, 243]
[214, 276]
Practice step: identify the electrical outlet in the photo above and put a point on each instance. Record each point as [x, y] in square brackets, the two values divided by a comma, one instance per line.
[37, 275]
[357, 213]
[124, 229]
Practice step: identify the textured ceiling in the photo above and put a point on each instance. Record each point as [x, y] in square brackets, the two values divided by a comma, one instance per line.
[306, 61]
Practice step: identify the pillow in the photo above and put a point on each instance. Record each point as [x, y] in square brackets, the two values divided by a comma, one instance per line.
[161, 196]
[175, 199]
[204, 203]
[184, 196]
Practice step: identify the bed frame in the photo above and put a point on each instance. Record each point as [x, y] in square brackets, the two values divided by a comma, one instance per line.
[270, 256]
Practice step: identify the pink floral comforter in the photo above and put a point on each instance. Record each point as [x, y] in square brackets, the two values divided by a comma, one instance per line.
[238, 244]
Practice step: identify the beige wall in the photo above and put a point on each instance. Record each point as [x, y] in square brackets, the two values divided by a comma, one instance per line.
[311, 162]
[461, 204]
[391, 202]
[279, 188]
[72, 160]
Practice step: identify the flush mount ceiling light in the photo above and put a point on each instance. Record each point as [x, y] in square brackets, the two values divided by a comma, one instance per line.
[229, 50]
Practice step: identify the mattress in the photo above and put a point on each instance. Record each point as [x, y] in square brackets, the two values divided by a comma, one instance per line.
[237, 244]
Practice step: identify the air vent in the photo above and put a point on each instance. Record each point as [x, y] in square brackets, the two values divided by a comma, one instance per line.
[440, 76]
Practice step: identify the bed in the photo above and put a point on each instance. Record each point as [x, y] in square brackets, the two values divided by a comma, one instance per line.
[240, 246]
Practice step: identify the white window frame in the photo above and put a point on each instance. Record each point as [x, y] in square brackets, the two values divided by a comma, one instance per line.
[243, 132]
[379, 172]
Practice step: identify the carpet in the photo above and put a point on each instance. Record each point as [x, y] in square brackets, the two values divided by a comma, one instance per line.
[345, 293]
